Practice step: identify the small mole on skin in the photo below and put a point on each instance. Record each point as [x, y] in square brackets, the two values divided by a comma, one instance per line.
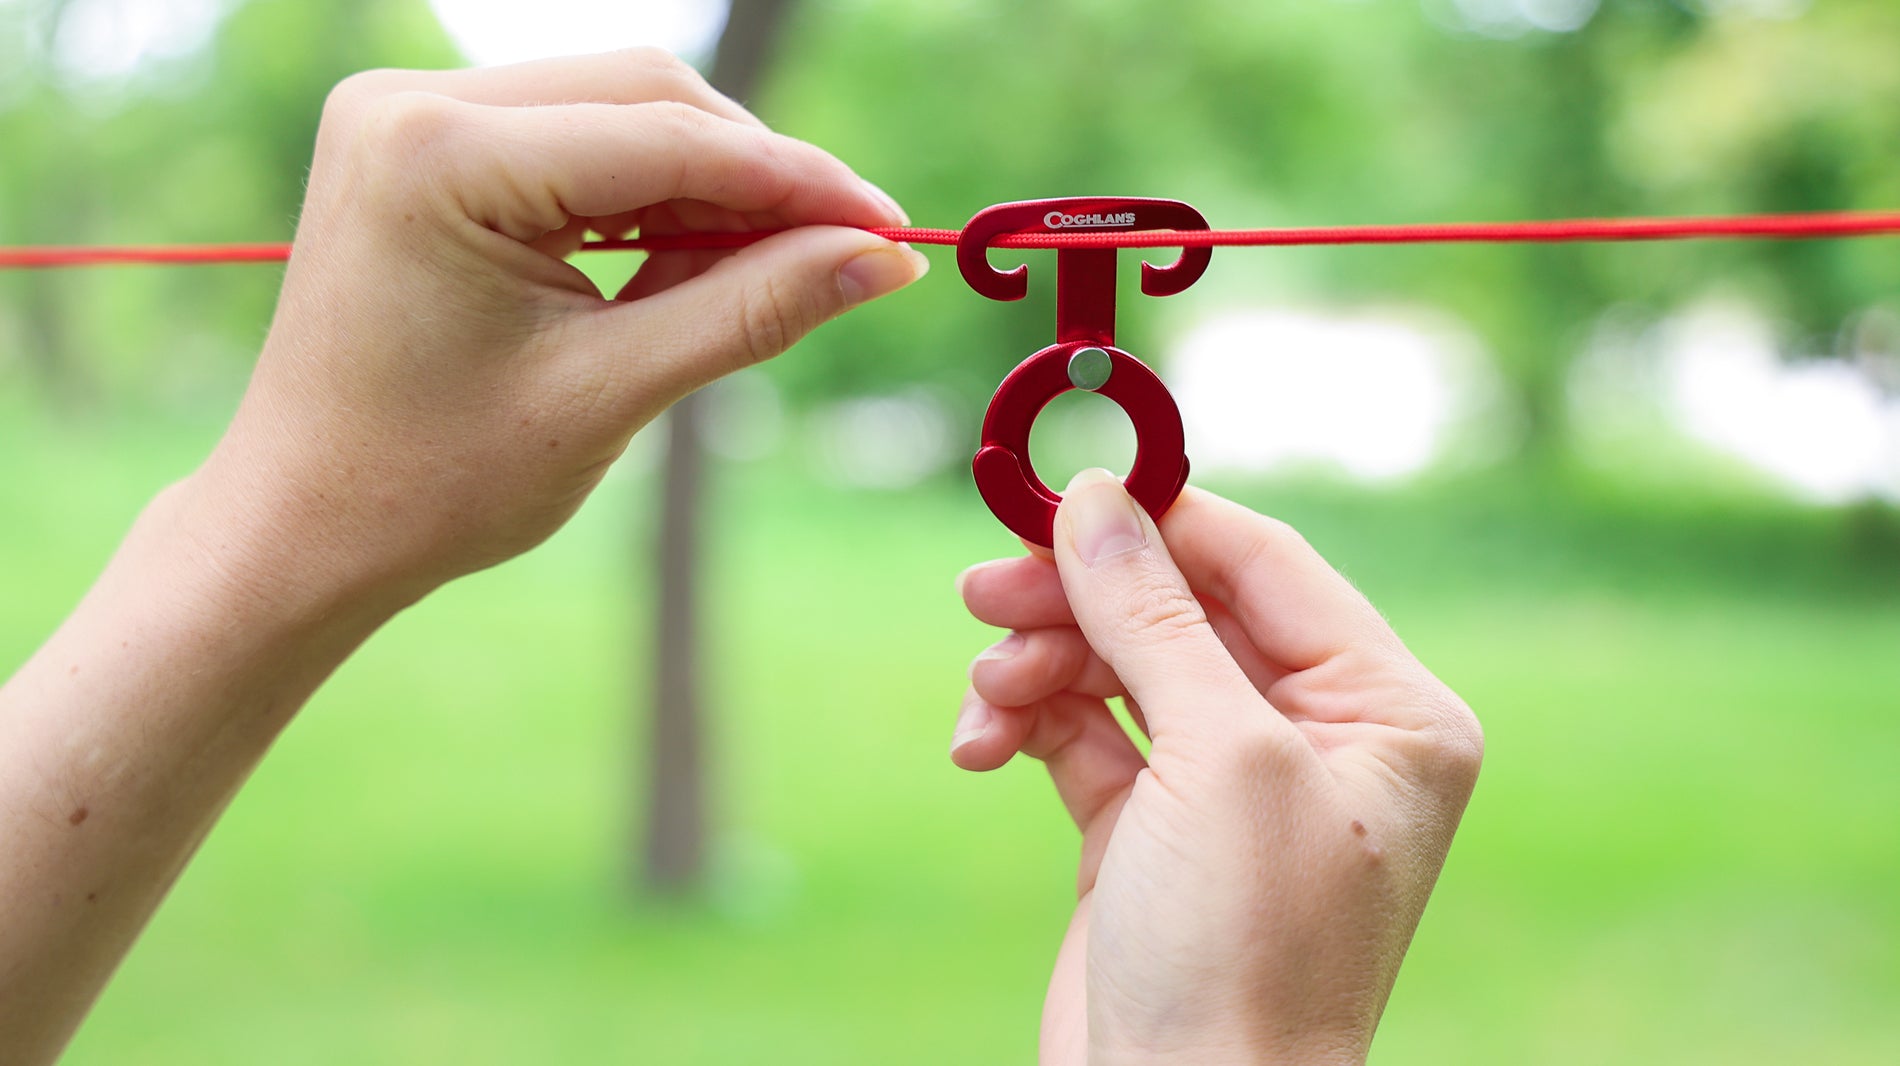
[554, 444]
[92, 897]
[1358, 827]
[74, 672]
[77, 816]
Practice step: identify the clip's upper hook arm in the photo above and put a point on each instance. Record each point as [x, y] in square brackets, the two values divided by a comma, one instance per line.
[1078, 214]
[973, 250]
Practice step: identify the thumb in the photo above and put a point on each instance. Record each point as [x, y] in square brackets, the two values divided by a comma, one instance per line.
[752, 305]
[1138, 612]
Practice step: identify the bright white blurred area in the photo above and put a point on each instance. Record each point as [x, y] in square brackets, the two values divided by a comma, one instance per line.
[1761, 9]
[501, 31]
[1376, 395]
[1382, 396]
[103, 40]
[1511, 18]
[890, 441]
[1716, 374]
[106, 40]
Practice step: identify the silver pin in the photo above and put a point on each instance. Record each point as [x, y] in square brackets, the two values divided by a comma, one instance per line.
[1089, 368]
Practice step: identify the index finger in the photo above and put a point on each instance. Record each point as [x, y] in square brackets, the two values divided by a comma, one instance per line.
[1295, 608]
[524, 172]
[629, 76]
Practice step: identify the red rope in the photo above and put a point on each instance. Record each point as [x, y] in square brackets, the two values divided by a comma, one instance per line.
[99, 255]
[1771, 227]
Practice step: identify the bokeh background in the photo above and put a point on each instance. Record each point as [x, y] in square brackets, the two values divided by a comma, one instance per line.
[1636, 503]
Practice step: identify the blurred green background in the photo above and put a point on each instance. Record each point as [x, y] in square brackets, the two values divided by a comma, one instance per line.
[1635, 503]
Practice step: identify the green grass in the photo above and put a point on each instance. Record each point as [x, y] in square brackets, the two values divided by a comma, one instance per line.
[1683, 848]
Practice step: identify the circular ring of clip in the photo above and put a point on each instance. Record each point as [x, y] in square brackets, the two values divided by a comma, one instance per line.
[1008, 482]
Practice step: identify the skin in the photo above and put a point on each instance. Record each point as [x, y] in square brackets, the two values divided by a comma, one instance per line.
[1248, 889]
[438, 393]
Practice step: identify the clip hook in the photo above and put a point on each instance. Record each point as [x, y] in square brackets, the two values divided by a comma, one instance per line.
[1084, 355]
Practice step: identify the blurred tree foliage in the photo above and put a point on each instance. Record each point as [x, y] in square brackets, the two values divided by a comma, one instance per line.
[1260, 114]
[1369, 111]
[211, 146]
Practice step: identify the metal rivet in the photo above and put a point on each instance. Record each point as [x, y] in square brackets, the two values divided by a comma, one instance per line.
[1089, 368]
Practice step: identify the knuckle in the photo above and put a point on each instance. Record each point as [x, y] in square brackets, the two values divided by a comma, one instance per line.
[668, 73]
[346, 106]
[737, 165]
[668, 86]
[759, 172]
[1460, 737]
[1061, 653]
[1273, 540]
[675, 117]
[659, 60]
[1057, 727]
[407, 125]
[1254, 766]
[351, 96]
[771, 318]
[1268, 545]
[1156, 608]
[1450, 741]
[1260, 753]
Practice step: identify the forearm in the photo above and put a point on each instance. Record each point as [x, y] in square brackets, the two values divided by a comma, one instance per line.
[125, 736]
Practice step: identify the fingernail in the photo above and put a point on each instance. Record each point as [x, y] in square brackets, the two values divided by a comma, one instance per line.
[972, 723]
[1007, 648]
[1102, 517]
[880, 272]
[897, 209]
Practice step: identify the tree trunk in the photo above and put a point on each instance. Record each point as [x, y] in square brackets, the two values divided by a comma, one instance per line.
[56, 214]
[48, 343]
[676, 780]
[678, 789]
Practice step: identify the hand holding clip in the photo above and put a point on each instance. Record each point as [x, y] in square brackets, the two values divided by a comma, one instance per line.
[1247, 889]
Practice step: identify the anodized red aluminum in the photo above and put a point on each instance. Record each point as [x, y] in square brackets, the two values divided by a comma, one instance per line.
[1085, 277]
[1085, 317]
[1009, 484]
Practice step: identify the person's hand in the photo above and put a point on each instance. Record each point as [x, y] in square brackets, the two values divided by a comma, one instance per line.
[440, 389]
[1249, 888]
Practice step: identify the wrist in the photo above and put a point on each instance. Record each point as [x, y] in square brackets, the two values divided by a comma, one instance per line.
[1211, 1047]
[1228, 1055]
[278, 545]
[208, 603]
[227, 578]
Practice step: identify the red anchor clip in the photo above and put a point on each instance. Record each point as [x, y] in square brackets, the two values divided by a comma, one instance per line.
[1084, 355]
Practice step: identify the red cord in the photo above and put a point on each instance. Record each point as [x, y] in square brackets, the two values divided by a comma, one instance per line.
[1773, 227]
[99, 255]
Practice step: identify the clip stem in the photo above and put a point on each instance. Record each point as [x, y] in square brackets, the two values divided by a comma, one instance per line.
[1085, 296]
